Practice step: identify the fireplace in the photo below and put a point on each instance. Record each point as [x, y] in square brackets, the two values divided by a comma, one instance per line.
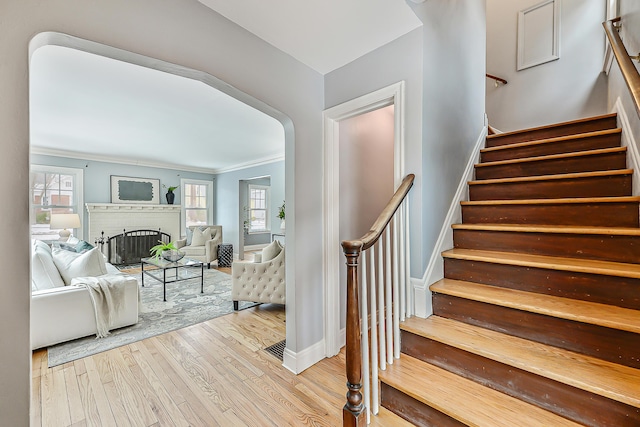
[130, 246]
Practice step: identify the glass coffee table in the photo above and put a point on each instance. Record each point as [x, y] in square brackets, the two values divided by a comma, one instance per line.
[168, 272]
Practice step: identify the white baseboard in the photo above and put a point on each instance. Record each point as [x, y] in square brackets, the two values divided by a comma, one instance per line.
[435, 268]
[248, 248]
[298, 362]
[629, 141]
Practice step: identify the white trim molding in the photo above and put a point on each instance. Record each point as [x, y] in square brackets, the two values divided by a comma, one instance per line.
[298, 362]
[629, 141]
[435, 268]
[331, 257]
[524, 45]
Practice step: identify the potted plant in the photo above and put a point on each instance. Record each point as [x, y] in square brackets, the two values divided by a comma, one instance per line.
[281, 215]
[170, 194]
[168, 251]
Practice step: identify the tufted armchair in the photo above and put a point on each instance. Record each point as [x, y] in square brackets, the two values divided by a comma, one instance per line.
[259, 281]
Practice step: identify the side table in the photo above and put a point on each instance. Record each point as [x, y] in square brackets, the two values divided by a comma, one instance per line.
[225, 255]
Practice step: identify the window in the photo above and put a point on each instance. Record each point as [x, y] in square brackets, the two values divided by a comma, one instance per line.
[197, 203]
[54, 190]
[258, 208]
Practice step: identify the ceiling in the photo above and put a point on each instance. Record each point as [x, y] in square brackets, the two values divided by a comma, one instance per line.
[323, 34]
[162, 119]
[170, 121]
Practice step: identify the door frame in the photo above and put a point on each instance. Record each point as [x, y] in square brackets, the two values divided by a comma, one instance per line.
[334, 336]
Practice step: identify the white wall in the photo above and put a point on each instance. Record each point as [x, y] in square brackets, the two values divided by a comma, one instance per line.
[366, 177]
[191, 35]
[565, 89]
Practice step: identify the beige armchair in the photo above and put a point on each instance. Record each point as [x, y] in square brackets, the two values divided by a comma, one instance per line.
[206, 252]
[260, 281]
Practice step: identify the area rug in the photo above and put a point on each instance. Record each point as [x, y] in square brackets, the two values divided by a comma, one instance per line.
[185, 306]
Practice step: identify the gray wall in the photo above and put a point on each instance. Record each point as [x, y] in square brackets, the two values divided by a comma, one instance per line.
[97, 179]
[229, 189]
[565, 89]
[191, 35]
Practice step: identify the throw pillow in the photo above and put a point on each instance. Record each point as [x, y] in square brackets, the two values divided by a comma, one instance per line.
[70, 264]
[65, 246]
[190, 232]
[83, 246]
[44, 274]
[271, 251]
[200, 237]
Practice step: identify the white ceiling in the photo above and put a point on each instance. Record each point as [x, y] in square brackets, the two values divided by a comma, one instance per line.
[89, 106]
[323, 34]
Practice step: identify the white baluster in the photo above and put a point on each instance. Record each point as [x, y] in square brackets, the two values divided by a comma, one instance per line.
[396, 291]
[381, 331]
[364, 323]
[401, 264]
[410, 294]
[388, 286]
[374, 336]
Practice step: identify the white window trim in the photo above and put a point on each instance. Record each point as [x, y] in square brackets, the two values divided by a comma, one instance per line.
[267, 209]
[209, 184]
[79, 189]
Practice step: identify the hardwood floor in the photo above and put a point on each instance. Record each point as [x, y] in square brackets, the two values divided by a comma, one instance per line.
[216, 373]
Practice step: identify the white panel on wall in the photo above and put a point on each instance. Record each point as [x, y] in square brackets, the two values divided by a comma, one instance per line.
[538, 34]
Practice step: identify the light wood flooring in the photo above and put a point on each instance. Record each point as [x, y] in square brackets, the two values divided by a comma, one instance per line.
[216, 373]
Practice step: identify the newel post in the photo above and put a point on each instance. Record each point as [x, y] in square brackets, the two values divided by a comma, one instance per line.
[353, 414]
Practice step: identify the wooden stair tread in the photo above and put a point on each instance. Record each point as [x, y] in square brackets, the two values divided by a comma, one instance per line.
[551, 140]
[608, 316]
[555, 125]
[588, 373]
[552, 177]
[559, 229]
[552, 157]
[387, 418]
[463, 399]
[575, 200]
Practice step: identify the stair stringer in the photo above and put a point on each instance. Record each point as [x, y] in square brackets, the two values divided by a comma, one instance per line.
[628, 140]
[435, 267]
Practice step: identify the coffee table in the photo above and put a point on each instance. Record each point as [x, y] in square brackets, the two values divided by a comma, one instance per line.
[183, 269]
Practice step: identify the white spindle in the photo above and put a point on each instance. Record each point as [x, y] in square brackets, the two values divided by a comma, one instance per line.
[396, 291]
[400, 264]
[388, 285]
[381, 331]
[374, 336]
[364, 323]
[407, 258]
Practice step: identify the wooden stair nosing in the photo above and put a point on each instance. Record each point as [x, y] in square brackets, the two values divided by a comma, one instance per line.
[611, 380]
[551, 140]
[560, 176]
[559, 229]
[554, 125]
[577, 265]
[607, 316]
[552, 157]
[463, 399]
[565, 201]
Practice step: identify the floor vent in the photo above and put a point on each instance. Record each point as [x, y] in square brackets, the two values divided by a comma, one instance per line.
[277, 349]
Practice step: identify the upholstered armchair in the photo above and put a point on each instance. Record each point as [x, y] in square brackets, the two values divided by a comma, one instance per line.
[199, 245]
[260, 281]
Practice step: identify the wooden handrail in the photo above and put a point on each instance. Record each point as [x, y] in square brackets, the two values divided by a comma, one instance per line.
[385, 216]
[629, 71]
[498, 79]
[353, 411]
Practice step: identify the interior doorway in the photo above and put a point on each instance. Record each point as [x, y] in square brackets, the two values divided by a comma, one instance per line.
[363, 165]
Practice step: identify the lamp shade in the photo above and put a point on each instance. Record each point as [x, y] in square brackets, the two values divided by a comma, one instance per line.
[65, 221]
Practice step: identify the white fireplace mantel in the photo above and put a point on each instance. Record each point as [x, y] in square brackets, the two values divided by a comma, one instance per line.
[113, 218]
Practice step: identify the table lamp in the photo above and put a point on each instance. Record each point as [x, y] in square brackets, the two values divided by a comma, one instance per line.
[65, 222]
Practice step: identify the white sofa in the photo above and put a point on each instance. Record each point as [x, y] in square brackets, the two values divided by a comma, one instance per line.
[61, 312]
[260, 281]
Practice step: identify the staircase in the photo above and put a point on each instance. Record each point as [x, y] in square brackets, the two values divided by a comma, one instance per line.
[537, 321]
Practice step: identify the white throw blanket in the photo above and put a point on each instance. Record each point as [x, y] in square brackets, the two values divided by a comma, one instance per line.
[107, 296]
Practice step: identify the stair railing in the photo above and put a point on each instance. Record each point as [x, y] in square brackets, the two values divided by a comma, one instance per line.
[629, 71]
[379, 297]
[498, 80]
